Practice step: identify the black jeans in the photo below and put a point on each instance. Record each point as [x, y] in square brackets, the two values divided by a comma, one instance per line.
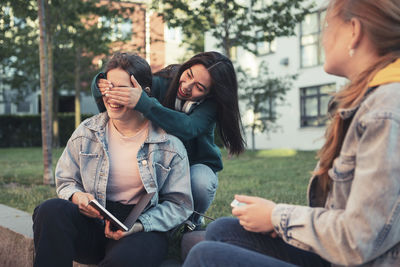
[229, 244]
[62, 234]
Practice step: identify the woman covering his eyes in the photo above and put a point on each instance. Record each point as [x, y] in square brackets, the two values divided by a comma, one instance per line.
[189, 101]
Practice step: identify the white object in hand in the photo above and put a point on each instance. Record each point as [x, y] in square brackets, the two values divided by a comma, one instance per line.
[236, 203]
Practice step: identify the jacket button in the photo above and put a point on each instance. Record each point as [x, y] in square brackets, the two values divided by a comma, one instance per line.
[144, 162]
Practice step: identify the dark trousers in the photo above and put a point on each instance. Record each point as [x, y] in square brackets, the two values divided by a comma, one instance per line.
[62, 234]
[229, 244]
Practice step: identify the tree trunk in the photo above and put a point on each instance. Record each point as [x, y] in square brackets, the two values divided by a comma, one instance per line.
[46, 136]
[77, 87]
[50, 76]
[253, 139]
[227, 45]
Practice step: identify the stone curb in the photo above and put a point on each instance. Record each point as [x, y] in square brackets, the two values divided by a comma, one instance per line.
[16, 235]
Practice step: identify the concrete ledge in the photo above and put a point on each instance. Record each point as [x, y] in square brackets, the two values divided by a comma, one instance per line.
[16, 240]
[16, 246]
[16, 235]
[15, 249]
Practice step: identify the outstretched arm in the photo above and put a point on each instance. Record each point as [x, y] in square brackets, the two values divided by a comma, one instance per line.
[184, 126]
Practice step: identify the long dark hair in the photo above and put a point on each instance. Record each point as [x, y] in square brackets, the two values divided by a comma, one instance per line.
[224, 89]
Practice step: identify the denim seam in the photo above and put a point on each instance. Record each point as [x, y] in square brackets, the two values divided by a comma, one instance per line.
[284, 223]
[388, 226]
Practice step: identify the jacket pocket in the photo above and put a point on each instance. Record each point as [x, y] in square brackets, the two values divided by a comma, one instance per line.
[88, 166]
[161, 173]
[343, 169]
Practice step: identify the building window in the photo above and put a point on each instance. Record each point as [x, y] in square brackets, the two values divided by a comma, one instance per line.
[269, 108]
[263, 47]
[125, 29]
[314, 104]
[121, 28]
[23, 106]
[310, 42]
[173, 34]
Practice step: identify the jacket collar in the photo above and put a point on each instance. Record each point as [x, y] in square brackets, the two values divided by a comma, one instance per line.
[346, 113]
[389, 74]
[99, 122]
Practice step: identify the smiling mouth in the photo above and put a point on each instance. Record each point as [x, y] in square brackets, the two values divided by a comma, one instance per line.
[182, 93]
[115, 106]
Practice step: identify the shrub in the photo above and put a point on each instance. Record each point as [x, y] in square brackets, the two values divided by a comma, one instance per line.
[26, 131]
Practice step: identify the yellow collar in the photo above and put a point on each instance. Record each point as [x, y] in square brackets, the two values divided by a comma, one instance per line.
[389, 74]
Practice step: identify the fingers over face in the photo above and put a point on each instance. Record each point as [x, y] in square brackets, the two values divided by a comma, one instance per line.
[135, 82]
[119, 91]
[104, 84]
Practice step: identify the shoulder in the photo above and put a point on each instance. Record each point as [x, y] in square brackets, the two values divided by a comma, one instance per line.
[166, 142]
[88, 127]
[383, 103]
[160, 83]
[209, 104]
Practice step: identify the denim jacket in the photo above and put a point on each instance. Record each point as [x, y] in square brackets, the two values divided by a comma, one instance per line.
[358, 224]
[163, 166]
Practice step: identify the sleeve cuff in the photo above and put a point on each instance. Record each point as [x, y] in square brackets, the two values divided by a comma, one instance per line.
[280, 219]
[144, 103]
[67, 194]
[145, 220]
[96, 92]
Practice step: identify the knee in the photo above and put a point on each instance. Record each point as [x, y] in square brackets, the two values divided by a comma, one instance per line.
[221, 228]
[203, 182]
[199, 254]
[51, 210]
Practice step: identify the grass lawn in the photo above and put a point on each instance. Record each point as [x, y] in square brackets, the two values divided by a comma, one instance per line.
[280, 175]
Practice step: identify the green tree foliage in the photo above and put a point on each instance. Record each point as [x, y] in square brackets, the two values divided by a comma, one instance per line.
[19, 60]
[234, 22]
[72, 25]
[261, 95]
[74, 38]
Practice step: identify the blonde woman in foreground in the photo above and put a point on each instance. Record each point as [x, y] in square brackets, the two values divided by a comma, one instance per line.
[353, 218]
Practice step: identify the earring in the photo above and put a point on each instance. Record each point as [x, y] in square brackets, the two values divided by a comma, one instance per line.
[147, 90]
[351, 52]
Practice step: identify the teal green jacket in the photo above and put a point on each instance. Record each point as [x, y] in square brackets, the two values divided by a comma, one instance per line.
[195, 130]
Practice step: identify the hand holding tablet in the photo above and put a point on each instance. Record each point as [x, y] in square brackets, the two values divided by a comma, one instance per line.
[107, 215]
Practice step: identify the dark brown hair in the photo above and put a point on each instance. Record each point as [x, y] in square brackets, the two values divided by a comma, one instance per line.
[224, 89]
[133, 65]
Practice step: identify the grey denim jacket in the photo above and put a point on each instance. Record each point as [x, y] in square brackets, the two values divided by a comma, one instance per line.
[163, 166]
[359, 225]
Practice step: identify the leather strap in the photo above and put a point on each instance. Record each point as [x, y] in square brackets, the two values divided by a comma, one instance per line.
[137, 209]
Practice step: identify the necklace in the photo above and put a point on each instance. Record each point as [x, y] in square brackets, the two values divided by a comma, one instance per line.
[131, 133]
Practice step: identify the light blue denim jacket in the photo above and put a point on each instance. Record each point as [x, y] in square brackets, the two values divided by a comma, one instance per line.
[163, 166]
[359, 225]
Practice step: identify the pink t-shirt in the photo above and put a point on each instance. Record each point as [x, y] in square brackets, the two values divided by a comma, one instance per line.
[124, 182]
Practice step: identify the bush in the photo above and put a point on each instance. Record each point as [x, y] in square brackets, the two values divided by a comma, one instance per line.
[26, 131]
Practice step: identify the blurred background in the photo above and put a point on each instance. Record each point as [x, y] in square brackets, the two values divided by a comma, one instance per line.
[51, 49]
